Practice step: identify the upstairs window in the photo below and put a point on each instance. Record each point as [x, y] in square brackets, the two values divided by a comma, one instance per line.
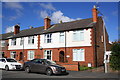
[62, 37]
[31, 40]
[78, 35]
[13, 42]
[2, 43]
[22, 41]
[48, 38]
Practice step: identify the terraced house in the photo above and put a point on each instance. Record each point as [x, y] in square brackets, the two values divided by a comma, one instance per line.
[80, 41]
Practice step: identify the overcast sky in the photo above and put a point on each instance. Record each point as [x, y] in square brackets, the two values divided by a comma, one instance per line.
[33, 13]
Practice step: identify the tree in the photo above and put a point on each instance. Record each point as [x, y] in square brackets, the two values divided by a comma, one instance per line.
[115, 56]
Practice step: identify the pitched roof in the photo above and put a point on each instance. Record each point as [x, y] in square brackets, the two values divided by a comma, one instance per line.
[5, 36]
[28, 32]
[78, 24]
[67, 26]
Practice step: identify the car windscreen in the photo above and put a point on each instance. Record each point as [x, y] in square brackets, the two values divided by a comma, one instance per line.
[50, 62]
[11, 60]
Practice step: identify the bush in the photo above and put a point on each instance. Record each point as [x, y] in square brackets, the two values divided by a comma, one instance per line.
[115, 56]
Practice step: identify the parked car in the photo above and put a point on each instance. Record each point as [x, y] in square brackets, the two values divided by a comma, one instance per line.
[44, 66]
[10, 64]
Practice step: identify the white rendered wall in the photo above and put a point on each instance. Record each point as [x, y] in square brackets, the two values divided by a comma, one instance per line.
[25, 46]
[69, 40]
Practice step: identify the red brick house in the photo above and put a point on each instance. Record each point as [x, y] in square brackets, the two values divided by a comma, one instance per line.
[80, 41]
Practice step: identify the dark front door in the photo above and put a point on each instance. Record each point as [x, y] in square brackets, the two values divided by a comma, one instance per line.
[61, 56]
[21, 56]
[3, 54]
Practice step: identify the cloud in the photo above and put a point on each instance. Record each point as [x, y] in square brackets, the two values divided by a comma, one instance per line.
[57, 16]
[43, 14]
[48, 6]
[17, 7]
[13, 5]
[9, 29]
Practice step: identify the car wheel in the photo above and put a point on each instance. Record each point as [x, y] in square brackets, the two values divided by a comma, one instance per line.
[6, 68]
[49, 72]
[27, 69]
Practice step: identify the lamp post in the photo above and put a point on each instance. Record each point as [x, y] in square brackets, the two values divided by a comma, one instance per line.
[105, 61]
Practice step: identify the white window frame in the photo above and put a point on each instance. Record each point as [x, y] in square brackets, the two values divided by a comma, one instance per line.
[13, 54]
[47, 38]
[78, 54]
[30, 55]
[22, 41]
[78, 35]
[62, 37]
[13, 41]
[31, 40]
[2, 43]
[47, 54]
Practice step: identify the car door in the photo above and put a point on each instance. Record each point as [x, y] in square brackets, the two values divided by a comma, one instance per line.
[39, 66]
[2, 63]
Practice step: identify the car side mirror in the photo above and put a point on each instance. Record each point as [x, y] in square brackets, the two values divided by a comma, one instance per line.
[4, 61]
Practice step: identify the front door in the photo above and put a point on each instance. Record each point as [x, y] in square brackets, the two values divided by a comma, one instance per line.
[61, 56]
[21, 56]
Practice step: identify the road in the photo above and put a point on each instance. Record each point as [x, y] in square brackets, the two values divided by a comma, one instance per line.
[71, 74]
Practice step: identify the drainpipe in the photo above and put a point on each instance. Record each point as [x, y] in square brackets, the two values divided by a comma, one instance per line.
[65, 48]
[23, 50]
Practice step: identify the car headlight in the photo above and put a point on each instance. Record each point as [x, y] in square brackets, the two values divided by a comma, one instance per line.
[12, 65]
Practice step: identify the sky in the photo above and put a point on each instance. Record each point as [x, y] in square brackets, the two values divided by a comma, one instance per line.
[28, 14]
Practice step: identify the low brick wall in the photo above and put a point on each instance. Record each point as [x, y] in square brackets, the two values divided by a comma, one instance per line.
[71, 67]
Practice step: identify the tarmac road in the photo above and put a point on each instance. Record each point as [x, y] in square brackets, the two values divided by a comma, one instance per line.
[71, 74]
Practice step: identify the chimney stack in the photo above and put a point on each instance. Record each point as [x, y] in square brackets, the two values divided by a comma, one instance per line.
[16, 29]
[95, 14]
[47, 23]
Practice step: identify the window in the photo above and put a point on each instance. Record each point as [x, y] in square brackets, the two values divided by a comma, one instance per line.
[62, 37]
[31, 40]
[22, 41]
[2, 43]
[78, 55]
[31, 55]
[13, 54]
[78, 35]
[48, 54]
[13, 42]
[48, 38]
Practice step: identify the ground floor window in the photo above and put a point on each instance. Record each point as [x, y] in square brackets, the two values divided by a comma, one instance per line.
[48, 54]
[31, 55]
[13, 54]
[78, 55]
